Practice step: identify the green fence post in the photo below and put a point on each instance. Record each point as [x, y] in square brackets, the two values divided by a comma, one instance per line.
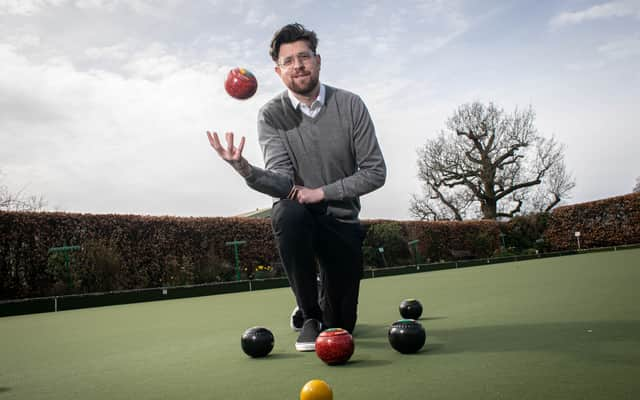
[414, 244]
[235, 245]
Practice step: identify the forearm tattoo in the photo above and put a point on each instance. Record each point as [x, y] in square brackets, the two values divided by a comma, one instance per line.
[242, 166]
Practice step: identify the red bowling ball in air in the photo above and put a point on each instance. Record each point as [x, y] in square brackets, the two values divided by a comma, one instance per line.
[240, 84]
[334, 346]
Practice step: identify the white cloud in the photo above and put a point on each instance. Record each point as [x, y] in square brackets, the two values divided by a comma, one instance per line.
[601, 11]
[89, 4]
[399, 34]
[585, 66]
[433, 44]
[301, 3]
[26, 7]
[116, 52]
[257, 16]
[608, 54]
[155, 62]
[156, 8]
[109, 113]
[140, 143]
[621, 49]
[161, 9]
[370, 10]
[24, 40]
[21, 84]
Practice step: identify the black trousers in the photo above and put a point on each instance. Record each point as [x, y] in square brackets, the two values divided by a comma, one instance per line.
[310, 240]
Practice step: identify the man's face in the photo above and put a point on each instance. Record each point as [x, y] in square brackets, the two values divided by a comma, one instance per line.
[298, 67]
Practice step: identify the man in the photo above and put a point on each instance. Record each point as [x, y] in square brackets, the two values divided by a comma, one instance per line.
[321, 154]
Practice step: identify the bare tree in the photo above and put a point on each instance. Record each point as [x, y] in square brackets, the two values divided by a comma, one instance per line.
[490, 165]
[18, 201]
[636, 188]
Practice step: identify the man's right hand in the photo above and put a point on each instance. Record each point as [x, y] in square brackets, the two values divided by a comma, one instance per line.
[231, 153]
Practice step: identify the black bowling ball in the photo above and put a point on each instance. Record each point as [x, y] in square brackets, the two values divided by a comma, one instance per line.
[257, 341]
[407, 336]
[410, 309]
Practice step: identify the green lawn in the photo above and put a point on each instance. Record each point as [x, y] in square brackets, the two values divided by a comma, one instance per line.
[557, 328]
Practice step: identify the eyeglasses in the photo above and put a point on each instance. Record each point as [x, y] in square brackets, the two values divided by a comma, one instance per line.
[303, 57]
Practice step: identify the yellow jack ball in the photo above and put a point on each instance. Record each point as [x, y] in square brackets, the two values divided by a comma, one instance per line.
[316, 389]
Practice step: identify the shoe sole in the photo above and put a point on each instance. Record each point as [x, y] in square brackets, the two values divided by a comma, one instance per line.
[306, 346]
[291, 324]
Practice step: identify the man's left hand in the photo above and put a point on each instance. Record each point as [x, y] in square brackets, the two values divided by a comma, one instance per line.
[309, 196]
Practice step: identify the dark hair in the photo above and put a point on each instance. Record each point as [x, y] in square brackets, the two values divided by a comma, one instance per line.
[289, 34]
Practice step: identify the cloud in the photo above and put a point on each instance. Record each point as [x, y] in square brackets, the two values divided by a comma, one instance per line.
[601, 11]
[137, 138]
[109, 113]
[157, 8]
[435, 43]
[26, 7]
[116, 52]
[370, 10]
[621, 49]
[89, 4]
[585, 66]
[161, 9]
[608, 54]
[384, 30]
[24, 107]
[20, 99]
[261, 18]
[24, 40]
[155, 62]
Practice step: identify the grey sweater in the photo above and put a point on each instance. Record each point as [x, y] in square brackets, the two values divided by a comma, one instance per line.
[337, 151]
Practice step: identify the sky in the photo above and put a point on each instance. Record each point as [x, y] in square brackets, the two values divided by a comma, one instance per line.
[104, 104]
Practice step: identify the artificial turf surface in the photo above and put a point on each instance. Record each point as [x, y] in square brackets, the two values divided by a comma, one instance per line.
[556, 328]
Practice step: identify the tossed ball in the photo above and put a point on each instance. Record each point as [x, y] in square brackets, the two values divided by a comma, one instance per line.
[334, 346]
[316, 389]
[240, 83]
[407, 336]
[257, 341]
[410, 309]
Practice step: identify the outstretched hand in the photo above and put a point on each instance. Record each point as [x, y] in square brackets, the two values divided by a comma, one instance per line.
[229, 153]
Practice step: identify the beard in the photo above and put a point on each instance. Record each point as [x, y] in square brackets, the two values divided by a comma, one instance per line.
[305, 88]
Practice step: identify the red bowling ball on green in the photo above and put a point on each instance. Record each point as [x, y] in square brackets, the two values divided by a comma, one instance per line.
[335, 346]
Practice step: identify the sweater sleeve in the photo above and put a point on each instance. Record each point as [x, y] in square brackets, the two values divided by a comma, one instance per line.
[276, 179]
[371, 170]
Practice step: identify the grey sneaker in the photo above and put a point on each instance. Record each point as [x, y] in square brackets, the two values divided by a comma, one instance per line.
[307, 338]
[297, 320]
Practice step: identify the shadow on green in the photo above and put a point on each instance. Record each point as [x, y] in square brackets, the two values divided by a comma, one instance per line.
[604, 341]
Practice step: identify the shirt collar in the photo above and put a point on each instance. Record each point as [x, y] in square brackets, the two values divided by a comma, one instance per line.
[321, 97]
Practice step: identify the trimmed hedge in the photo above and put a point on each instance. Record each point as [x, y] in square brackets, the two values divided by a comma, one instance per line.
[121, 252]
[125, 252]
[609, 222]
[440, 240]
